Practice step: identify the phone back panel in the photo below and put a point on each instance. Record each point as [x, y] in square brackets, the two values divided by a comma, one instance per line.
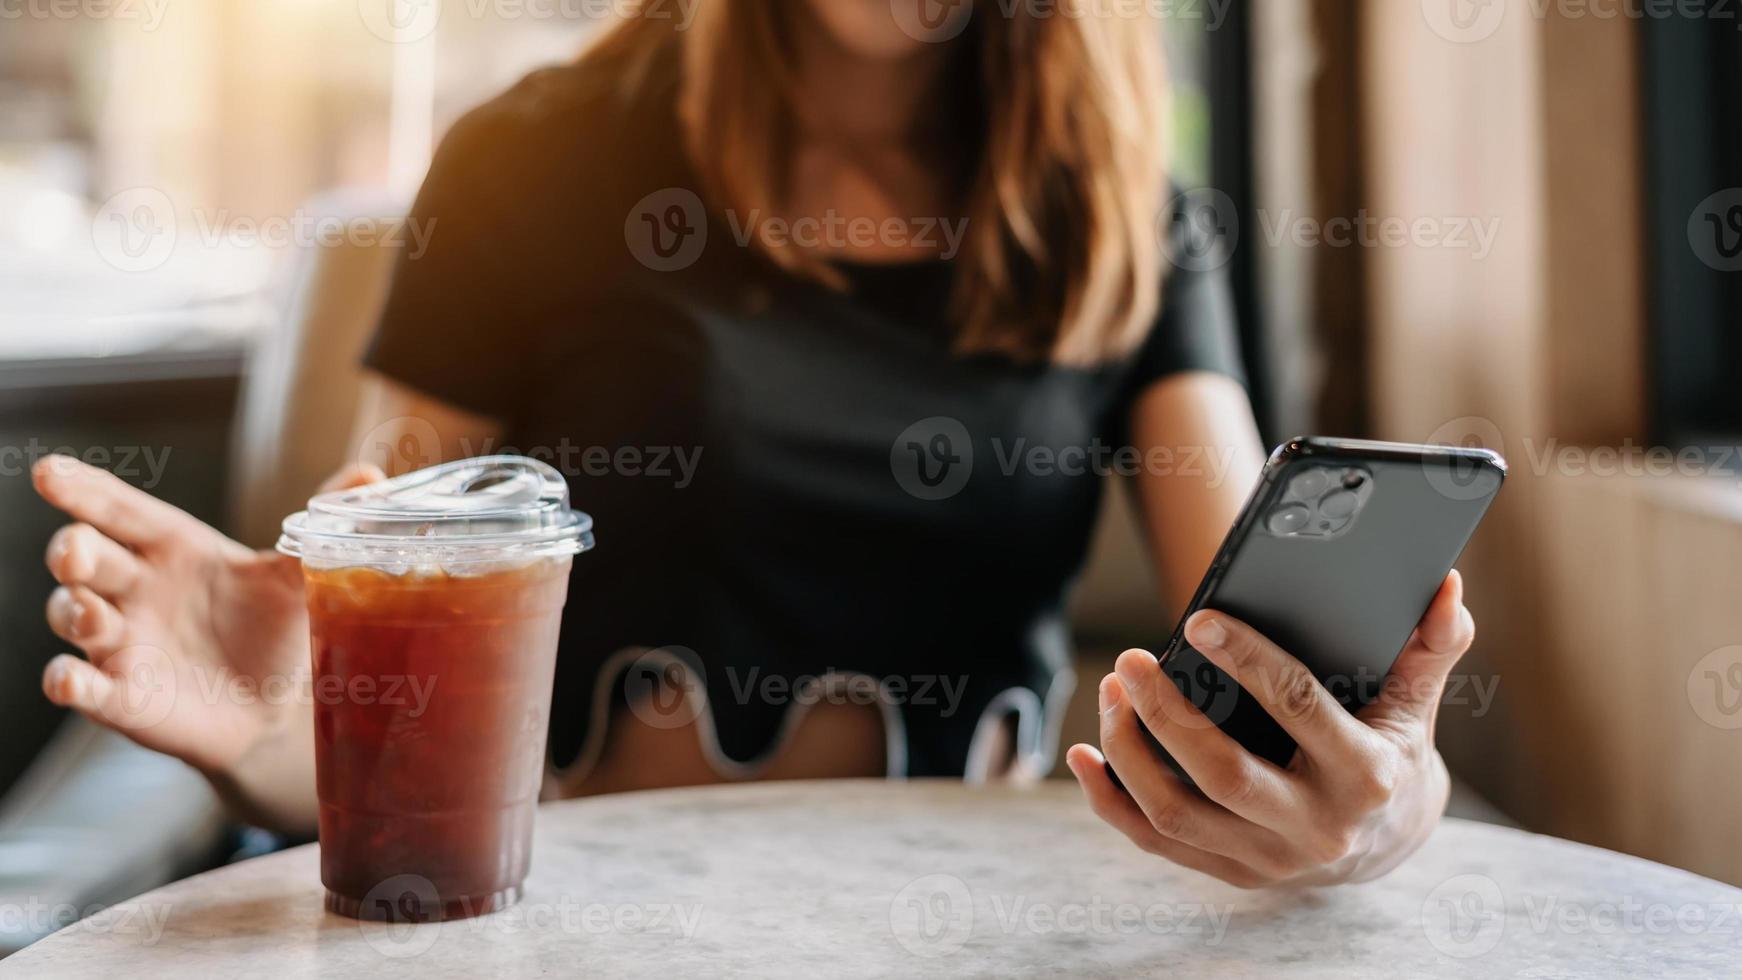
[1343, 603]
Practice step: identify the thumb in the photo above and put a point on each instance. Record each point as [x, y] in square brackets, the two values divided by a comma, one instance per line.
[353, 475]
[349, 477]
[1416, 680]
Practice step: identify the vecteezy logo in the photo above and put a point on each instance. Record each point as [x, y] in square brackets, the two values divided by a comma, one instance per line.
[1199, 229]
[667, 230]
[932, 916]
[1723, 228]
[401, 445]
[400, 21]
[932, 21]
[932, 458]
[1464, 21]
[396, 916]
[1464, 916]
[144, 691]
[1715, 230]
[1463, 479]
[1715, 688]
[135, 231]
[1206, 688]
[667, 687]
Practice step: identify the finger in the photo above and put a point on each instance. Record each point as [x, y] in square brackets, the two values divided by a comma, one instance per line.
[1124, 815]
[1223, 770]
[1173, 809]
[84, 619]
[97, 497]
[1282, 685]
[352, 476]
[1418, 678]
[77, 684]
[79, 554]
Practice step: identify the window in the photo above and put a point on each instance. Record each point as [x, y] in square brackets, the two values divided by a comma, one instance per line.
[219, 122]
[1187, 40]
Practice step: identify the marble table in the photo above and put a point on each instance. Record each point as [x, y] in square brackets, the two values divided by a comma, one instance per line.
[926, 879]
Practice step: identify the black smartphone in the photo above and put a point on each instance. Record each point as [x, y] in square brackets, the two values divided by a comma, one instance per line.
[1336, 556]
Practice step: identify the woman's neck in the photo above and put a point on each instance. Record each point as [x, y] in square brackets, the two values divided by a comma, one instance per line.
[846, 99]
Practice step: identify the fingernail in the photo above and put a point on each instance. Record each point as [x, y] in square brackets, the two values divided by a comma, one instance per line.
[78, 619]
[1109, 692]
[57, 683]
[1207, 633]
[61, 465]
[1130, 669]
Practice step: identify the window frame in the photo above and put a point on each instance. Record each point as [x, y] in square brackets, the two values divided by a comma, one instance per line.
[1691, 116]
[1232, 171]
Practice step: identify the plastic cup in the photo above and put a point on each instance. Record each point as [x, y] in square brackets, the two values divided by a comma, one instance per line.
[434, 605]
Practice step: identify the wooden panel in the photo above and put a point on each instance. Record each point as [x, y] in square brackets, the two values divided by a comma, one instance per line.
[1595, 596]
[1596, 299]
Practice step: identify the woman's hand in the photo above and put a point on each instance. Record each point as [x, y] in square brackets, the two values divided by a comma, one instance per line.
[196, 645]
[1362, 793]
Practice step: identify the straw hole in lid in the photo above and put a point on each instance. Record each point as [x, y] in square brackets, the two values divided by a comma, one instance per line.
[489, 479]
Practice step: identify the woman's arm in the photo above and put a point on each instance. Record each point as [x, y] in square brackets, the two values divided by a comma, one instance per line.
[1362, 792]
[1198, 427]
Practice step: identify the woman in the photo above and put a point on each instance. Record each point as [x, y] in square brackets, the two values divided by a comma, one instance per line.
[877, 415]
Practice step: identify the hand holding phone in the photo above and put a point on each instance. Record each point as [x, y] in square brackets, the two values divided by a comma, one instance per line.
[1324, 578]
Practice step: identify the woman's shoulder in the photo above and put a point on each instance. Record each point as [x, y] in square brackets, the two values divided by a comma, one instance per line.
[563, 137]
[523, 217]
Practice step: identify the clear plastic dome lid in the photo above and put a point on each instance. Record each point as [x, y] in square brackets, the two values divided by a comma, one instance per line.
[489, 509]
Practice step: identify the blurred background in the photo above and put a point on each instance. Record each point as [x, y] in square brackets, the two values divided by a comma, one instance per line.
[1515, 223]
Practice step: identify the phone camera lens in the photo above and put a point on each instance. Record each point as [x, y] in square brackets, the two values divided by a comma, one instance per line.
[1339, 504]
[1288, 519]
[1354, 480]
[1309, 484]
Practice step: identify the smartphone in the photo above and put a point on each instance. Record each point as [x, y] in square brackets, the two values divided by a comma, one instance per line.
[1335, 557]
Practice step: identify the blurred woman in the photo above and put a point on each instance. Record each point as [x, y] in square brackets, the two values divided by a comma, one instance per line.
[899, 291]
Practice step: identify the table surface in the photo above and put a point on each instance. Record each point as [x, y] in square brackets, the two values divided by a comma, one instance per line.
[922, 879]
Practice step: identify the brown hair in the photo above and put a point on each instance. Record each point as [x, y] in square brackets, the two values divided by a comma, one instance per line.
[1062, 259]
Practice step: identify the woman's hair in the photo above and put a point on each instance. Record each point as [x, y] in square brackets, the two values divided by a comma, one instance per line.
[1062, 183]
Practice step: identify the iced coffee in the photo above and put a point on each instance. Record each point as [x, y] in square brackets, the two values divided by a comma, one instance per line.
[434, 602]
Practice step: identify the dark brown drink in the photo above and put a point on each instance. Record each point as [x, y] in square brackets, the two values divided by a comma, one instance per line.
[432, 699]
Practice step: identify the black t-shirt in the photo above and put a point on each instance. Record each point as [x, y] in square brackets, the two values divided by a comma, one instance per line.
[788, 481]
